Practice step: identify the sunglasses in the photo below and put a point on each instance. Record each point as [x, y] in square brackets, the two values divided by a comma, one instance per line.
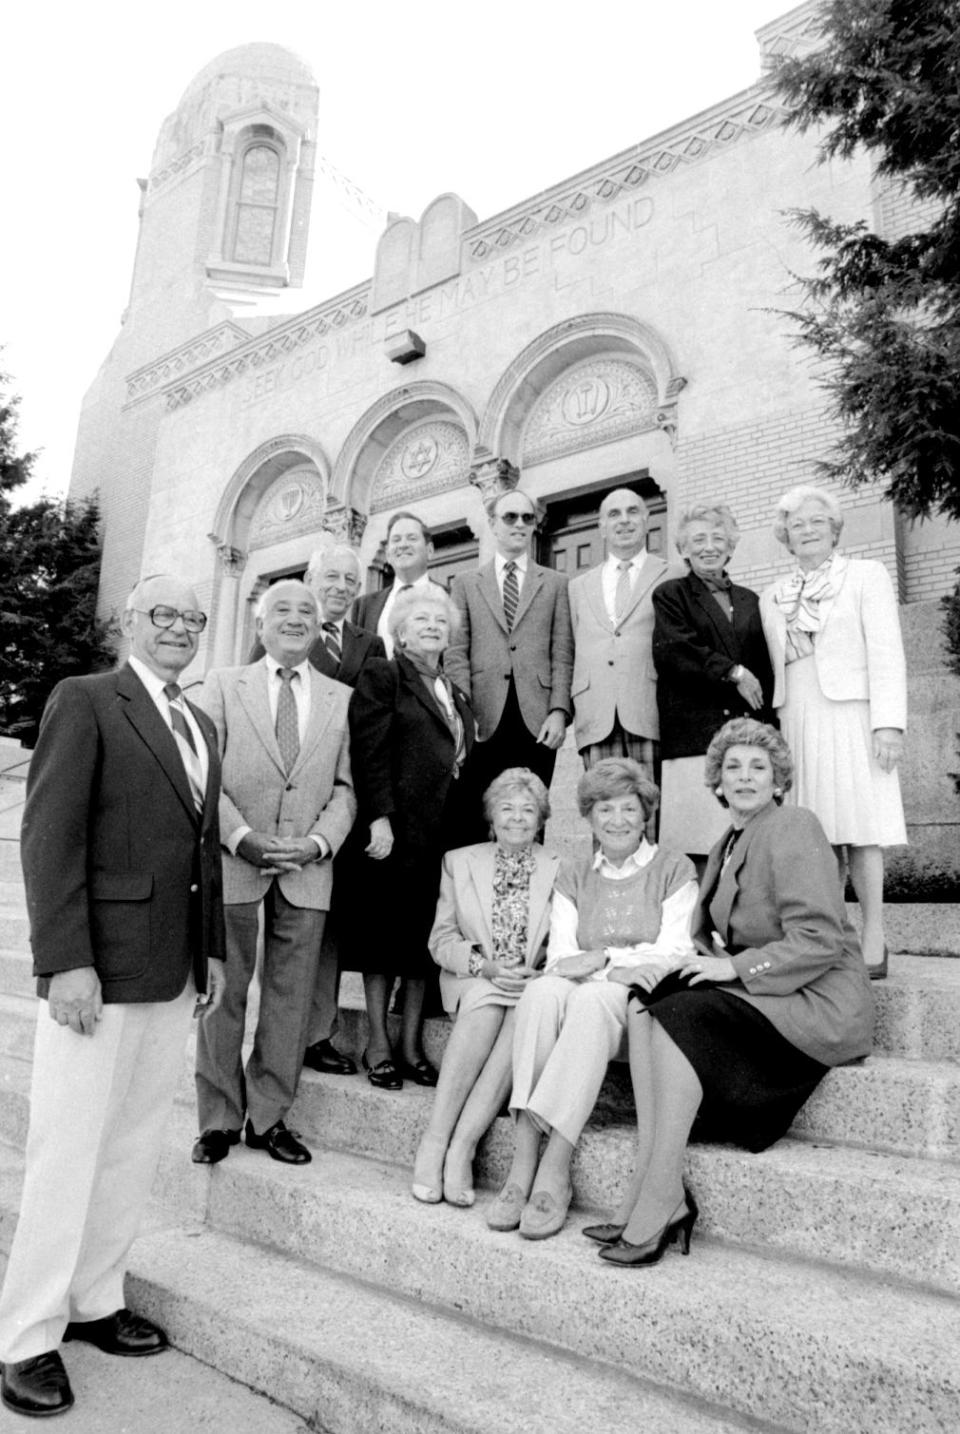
[511, 519]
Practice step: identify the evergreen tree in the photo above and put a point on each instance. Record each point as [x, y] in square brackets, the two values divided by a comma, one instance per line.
[885, 314]
[49, 573]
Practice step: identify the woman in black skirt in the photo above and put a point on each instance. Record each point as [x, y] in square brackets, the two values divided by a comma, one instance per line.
[776, 995]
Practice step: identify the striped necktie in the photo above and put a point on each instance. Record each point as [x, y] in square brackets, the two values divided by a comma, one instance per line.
[186, 745]
[331, 641]
[511, 593]
[287, 725]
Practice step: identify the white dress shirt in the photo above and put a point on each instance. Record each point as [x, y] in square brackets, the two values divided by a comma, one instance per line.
[673, 939]
[499, 568]
[610, 577]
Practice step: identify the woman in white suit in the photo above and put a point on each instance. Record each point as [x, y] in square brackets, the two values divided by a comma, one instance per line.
[489, 939]
[833, 631]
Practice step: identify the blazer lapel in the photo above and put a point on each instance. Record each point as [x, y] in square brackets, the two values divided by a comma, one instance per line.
[481, 878]
[253, 696]
[531, 585]
[651, 573]
[593, 588]
[142, 713]
[487, 585]
[840, 567]
[354, 646]
[724, 629]
[418, 687]
[541, 889]
[318, 721]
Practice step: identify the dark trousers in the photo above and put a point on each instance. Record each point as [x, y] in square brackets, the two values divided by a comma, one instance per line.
[511, 745]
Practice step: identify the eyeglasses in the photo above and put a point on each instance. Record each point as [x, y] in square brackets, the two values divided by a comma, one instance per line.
[162, 616]
[511, 519]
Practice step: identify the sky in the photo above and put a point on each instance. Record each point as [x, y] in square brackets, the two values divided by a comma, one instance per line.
[494, 101]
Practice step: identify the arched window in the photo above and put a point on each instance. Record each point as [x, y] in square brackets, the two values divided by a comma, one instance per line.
[257, 205]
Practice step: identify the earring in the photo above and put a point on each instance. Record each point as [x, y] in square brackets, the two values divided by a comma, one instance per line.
[778, 791]
[718, 791]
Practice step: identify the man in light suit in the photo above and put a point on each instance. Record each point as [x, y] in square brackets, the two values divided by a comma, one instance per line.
[409, 548]
[513, 655]
[287, 805]
[614, 679]
[121, 860]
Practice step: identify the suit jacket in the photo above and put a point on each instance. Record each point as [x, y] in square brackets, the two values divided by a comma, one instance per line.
[613, 672]
[778, 905]
[368, 607]
[121, 872]
[464, 914]
[859, 650]
[403, 750]
[315, 799]
[358, 646]
[537, 654]
[694, 648]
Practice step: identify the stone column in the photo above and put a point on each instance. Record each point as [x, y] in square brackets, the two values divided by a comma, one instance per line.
[230, 565]
[345, 525]
[490, 476]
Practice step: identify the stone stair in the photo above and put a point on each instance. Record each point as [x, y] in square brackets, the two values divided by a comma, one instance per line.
[821, 1290]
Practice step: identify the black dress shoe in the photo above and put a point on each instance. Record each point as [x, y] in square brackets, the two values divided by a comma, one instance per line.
[383, 1075]
[279, 1143]
[322, 1056]
[37, 1386]
[123, 1332]
[421, 1072]
[213, 1145]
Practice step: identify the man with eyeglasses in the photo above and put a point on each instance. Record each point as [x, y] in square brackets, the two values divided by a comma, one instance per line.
[121, 859]
[514, 653]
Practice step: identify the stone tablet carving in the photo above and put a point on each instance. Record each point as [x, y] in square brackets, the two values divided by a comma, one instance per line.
[426, 458]
[592, 403]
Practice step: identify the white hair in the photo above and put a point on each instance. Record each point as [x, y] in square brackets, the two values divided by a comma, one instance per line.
[322, 555]
[260, 610]
[795, 498]
[706, 513]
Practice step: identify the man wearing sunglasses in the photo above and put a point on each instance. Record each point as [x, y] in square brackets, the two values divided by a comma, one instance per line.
[121, 861]
[514, 653]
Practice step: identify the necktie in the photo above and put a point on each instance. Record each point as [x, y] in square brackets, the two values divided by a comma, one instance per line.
[511, 593]
[288, 728]
[332, 642]
[186, 746]
[622, 595]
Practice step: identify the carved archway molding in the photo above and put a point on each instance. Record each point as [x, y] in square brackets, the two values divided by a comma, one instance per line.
[376, 430]
[567, 343]
[254, 476]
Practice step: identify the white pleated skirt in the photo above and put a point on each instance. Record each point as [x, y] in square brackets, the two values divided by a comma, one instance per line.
[835, 772]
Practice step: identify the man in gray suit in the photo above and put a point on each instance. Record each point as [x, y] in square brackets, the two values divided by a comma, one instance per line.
[287, 805]
[614, 679]
[513, 655]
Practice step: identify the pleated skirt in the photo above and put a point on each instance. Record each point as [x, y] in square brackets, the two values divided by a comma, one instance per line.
[835, 772]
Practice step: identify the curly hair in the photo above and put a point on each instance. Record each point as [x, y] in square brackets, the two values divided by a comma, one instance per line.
[432, 594]
[747, 732]
[617, 777]
[717, 513]
[795, 498]
[517, 779]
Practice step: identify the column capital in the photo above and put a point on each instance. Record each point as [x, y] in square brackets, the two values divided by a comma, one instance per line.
[347, 525]
[491, 475]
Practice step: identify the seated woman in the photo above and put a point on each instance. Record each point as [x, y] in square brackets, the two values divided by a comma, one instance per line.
[627, 907]
[788, 995]
[489, 937]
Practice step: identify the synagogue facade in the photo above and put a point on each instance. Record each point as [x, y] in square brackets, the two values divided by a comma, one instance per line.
[622, 328]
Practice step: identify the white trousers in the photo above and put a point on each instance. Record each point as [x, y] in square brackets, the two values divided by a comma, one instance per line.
[98, 1108]
[566, 1034]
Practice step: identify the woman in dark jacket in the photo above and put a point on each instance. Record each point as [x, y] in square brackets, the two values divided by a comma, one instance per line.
[411, 733]
[712, 664]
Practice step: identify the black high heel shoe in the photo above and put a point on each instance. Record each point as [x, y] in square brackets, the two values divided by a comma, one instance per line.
[651, 1252]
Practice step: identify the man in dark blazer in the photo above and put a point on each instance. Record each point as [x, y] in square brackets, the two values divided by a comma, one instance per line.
[409, 548]
[513, 655]
[286, 806]
[121, 860]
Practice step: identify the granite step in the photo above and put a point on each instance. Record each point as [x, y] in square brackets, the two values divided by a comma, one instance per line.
[863, 1210]
[792, 1344]
[351, 1358]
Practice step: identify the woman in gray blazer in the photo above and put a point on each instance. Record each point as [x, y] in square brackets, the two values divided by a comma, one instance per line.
[776, 995]
[489, 938]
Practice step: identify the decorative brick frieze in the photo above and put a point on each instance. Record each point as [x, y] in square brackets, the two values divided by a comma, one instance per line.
[153, 376]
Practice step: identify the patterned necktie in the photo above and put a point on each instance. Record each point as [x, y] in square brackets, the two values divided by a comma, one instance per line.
[186, 746]
[622, 596]
[511, 593]
[332, 642]
[288, 728]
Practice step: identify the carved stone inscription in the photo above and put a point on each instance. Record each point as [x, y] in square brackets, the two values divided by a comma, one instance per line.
[591, 403]
[292, 505]
[427, 458]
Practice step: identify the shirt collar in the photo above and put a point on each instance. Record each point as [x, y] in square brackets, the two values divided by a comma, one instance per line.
[638, 859]
[500, 563]
[273, 667]
[419, 582]
[149, 678]
[636, 562]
